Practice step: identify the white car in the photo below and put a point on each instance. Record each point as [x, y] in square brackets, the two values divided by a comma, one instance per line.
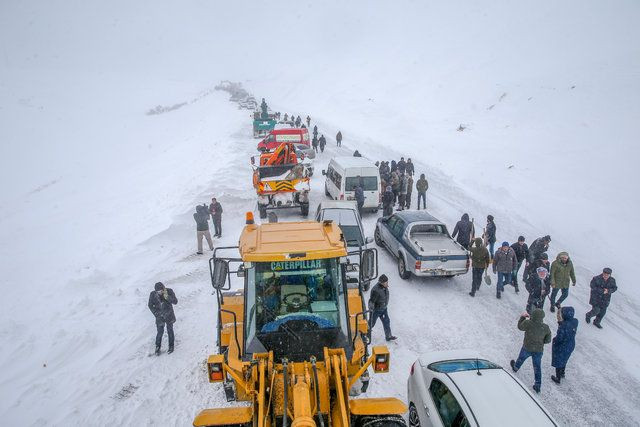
[460, 388]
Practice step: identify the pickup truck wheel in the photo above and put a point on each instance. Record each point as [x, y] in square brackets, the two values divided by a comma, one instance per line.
[402, 268]
[377, 237]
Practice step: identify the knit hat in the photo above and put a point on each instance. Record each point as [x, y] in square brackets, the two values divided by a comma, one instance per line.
[383, 278]
[607, 270]
[544, 256]
[521, 239]
[541, 270]
[505, 244]
[159, 286]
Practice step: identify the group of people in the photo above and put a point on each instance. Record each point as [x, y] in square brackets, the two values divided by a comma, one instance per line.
[397, 183]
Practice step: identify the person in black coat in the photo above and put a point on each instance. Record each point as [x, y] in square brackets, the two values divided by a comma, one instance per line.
[394, 166]
[538, 247]
[378, 301]
[490, 231]
[387, 201]
[463, 230]
[538, 286]
[530, 269]
[161, 302]
[564, 342]
[339, 139]
[402, 165]
[522, 252]
[602, 286]
[410, 167]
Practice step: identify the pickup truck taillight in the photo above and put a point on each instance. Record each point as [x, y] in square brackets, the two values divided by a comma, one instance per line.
[418, 265]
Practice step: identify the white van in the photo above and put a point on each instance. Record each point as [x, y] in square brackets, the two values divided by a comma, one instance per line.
[344, 173]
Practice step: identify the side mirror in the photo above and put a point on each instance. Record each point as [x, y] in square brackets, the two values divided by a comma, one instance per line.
[240, 272]
[368, 265]
[324, 172]
[220, 273]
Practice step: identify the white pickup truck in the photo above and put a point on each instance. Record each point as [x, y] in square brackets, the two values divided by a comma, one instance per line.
[421, 244]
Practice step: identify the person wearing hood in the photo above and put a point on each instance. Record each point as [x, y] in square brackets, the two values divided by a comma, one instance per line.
[480, 260]
[422, 185]
[339, 139]
[536, 335]
[463, 230]
[538, 247]
[490, 232]
[538, 286]
[602, 286]
[387, 201]
[562, 273]
[161, 301]
[504, 262]
[564, 342]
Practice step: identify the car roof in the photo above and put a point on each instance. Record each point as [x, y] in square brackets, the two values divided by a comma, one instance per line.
[338, 204]
[481, 393]
[415, 216]
[353, 162]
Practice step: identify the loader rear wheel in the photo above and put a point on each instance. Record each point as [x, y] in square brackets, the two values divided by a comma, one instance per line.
[381, 421]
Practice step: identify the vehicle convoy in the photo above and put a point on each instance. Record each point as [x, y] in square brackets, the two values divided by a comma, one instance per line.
[278, 136]
[344, 173]
[460, 388]
[281, 180]
[293, 340]
[421, 244]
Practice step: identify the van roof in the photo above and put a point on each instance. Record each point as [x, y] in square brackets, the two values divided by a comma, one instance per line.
[353, 162]
[290, 131]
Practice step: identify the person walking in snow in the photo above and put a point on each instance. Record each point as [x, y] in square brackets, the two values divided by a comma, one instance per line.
[562, 273]
[504, 262]
[322, 141]
[490, 231]
[359, 194]
[536, 335]
[602, 286]
[538, 247]
[480, 260]
[161, 301]
[215, 209]
[462, 231]
[422, 185]
[407, 200]
[201, 217]
[538, 286]
[564, 342]
[314, 143]
[522, 251]
[308, 121]
[378, 302]
[388, 201]
[339, 139]
[409, 167]
[315, 130]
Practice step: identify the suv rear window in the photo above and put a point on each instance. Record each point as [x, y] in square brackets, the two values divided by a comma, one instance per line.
[368, 183]
[449, 366]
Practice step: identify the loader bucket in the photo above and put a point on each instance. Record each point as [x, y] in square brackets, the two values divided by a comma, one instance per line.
[224, 417]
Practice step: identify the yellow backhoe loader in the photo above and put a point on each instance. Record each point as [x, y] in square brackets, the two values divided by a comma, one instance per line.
[293, 342]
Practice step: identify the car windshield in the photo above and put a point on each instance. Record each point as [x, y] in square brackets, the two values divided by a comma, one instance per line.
[307, 293]
[450, 366]
[368, 183]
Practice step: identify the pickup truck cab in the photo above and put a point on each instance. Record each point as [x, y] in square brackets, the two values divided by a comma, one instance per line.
[278, 136]
[421, 244]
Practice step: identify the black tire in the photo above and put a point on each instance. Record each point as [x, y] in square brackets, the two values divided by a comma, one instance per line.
[378, 238]
[414, 419]
[326, 191]
[381, 421]
[304, 209]
[402, 268]
[262, 210]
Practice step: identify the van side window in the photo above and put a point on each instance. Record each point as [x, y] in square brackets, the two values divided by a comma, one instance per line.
[448, 408]
[337, 179]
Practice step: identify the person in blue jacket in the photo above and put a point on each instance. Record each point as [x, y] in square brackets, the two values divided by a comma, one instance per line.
[564, 342]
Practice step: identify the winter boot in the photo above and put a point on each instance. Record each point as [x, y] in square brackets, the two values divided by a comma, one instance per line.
[597, 325]
[391, 338]
[552, 308]
[498, 295]
[473, 294]
[157, 350]
[556, 379]
[587, 318]
[536, 387]
[513, 365]
[170, 350]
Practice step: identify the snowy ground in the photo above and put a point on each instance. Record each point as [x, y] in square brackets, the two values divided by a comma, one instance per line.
[97, 196]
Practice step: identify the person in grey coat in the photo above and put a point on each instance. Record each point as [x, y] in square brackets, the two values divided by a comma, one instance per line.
[161, 301]
[504, 262]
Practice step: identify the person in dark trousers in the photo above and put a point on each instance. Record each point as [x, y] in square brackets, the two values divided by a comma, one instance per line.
[462, 231]
[201, 217]
[602, 286]
[564, 342]
[215, 209]
[161, 301]
[308, 121]
[314, 143]
[387, 201]
[538, 247]
[409, 167]
[378, 302]
[315, 130]
[298, 121]
[339, 139]
[480, 260]
[359, 195]
[422, 185]
[394, 166]
[322, 142]
[522, 251]
[402, 195]
[530, 270]
[504, 262]
[407, 200]
[538, 286]
[562, 273]
[536, 335]
[490, 230]
[402, 165]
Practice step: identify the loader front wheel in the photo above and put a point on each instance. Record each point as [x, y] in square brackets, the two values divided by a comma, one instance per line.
[381, 421]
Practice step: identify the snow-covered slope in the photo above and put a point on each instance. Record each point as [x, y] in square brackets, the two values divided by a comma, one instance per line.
[97, 194]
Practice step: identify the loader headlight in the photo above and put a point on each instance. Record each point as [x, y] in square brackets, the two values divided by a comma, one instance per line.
[381, 359]
[215, 368]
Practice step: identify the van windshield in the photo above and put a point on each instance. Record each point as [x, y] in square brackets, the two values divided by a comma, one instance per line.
[368, 183]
